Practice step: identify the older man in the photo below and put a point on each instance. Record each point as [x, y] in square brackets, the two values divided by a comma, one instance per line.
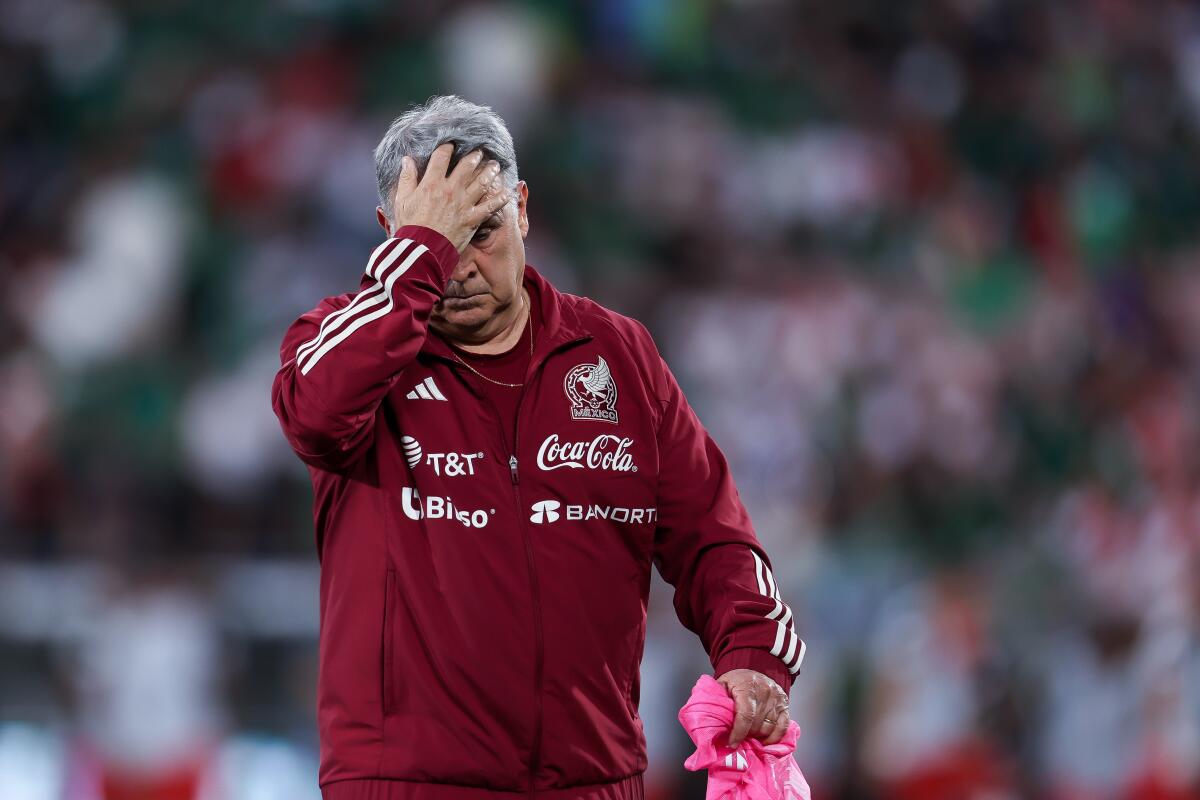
[495, 467]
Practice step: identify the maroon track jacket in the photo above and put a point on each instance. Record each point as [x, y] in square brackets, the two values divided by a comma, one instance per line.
[483, 601]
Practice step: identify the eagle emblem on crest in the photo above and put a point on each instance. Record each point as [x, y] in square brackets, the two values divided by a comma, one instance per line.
[592, 391]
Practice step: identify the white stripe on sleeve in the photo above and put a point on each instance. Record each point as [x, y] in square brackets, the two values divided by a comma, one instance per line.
[794, 668]
[374, 315]
[785, 631]
[758, 573]
[777, 648]
[366, 298]
[791, 651]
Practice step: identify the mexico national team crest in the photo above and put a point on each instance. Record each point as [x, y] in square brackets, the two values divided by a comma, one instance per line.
[592, 392]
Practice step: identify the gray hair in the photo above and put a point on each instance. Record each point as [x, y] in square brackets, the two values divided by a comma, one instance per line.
[444, 118]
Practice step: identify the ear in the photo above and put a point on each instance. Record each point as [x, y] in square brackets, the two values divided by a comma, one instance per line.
[383, 221]
[522, 208]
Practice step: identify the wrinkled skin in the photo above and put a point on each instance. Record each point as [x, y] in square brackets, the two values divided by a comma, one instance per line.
[762, 706]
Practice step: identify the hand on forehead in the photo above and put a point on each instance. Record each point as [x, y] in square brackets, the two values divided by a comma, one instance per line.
[454, 201]
[476, 158]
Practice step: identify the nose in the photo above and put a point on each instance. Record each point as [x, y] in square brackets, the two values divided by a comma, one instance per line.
[465, 269]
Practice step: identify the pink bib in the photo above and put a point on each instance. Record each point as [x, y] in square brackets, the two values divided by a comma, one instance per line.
[750, 771]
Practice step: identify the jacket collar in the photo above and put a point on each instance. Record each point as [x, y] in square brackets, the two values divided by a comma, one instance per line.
[561, 324]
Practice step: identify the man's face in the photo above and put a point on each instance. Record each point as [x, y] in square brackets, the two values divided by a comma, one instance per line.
[487, 280]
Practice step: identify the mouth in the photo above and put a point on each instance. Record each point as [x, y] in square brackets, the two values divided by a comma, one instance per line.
[462, 302]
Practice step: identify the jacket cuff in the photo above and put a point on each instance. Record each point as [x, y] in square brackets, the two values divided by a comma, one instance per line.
[443, 251]
[757, 660]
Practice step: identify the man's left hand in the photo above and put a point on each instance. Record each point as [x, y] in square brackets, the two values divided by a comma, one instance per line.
[762, 706]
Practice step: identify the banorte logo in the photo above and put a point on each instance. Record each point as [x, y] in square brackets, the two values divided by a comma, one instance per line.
[605, 452]
[547, 511]
[544, 511]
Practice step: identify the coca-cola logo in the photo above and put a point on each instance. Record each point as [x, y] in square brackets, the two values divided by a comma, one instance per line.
[606, 452]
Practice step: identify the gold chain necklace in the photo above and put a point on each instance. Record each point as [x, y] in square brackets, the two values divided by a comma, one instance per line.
[529, 324]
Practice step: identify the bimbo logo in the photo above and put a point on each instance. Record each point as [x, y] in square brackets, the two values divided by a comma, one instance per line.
[605, 452]
[442, 508]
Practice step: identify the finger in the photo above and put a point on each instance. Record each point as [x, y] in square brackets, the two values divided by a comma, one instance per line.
[746, 708]
[762, 710]
[763, 728]
[492, 202]
[483, 166]
[464, 170]
[439, 160]
[778, 729]
[486, 180]
[408, 177]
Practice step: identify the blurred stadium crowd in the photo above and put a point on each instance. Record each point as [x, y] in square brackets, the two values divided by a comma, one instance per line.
[928, 272]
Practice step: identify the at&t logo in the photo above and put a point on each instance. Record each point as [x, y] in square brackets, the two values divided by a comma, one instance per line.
[449, 464]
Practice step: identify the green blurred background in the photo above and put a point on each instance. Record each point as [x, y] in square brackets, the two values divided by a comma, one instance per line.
[927, 271]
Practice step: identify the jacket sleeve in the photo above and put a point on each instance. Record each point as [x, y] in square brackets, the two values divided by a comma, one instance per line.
[339, 360]
[706, 548]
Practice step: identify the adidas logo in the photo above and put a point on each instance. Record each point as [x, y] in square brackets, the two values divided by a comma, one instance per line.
[426, 390]
[545, 511]
[737, 761]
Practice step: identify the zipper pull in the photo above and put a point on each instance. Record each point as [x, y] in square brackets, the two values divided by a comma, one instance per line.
[512, 469]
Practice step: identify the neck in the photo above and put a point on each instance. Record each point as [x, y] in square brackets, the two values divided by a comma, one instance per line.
[505, 334]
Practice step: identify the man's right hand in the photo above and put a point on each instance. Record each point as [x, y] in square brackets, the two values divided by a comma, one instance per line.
[454, 205]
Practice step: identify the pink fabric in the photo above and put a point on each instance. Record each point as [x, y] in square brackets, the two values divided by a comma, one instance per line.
[750, 771]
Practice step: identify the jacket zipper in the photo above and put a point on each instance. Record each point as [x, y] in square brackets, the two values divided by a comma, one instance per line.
[539, 650]
[535, 597]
